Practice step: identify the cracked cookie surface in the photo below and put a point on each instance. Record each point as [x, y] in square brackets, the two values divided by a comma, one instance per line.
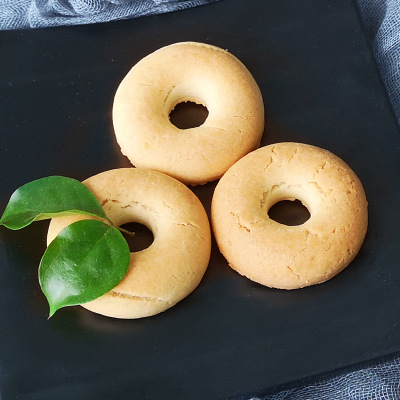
[278, 255]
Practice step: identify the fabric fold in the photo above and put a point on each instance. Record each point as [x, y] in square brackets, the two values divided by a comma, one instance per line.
[23, 14]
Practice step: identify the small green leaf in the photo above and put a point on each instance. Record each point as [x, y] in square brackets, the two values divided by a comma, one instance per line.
[86, 260]
[48, 197]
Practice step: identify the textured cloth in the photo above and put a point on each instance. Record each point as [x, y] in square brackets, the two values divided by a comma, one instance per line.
[379, 381]
[19, 14]
[381, 19]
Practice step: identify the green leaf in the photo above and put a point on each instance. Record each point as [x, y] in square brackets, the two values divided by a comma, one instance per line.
[48, 197]
[86, 260]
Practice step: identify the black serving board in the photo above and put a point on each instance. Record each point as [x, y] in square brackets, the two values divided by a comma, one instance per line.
[231, 338]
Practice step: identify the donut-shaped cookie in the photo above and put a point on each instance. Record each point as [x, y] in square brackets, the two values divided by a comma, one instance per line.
[178, 73]
[173, 265]
[281, 256]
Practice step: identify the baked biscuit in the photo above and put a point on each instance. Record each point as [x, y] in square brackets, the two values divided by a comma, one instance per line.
[198, 73]
[173, 265]
[281, 256]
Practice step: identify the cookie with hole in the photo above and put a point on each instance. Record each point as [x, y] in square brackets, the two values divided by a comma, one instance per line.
[275, 254]
[167, 271]
[188, 72]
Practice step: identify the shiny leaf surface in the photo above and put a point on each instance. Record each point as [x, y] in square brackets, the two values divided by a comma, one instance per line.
[48, 197]
[86, 260]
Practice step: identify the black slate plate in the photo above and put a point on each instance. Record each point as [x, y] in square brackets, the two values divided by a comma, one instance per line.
[231, 337]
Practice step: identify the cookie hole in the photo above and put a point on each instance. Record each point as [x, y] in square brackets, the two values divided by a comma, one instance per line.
[289, 212]
[142, 239]
[188, 115]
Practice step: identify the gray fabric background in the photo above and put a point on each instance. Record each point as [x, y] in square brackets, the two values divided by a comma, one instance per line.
[381, 20]
[378, 381]
[17, 14]
[382, 24]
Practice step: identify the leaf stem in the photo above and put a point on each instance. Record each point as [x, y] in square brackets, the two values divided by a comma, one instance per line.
[119, 228]
[125, 231]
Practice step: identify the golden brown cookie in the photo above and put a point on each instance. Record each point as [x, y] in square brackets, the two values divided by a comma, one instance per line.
[178, 73]
[278, 255]
[173, 265]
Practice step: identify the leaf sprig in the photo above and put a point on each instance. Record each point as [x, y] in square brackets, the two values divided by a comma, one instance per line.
[88, 258]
